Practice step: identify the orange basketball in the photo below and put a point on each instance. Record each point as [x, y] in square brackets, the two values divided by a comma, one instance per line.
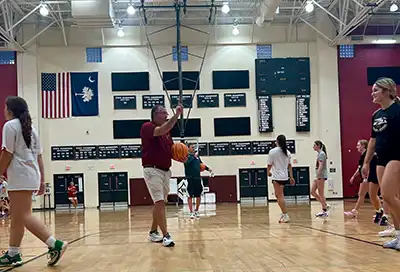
[202, 167]
[179, 152]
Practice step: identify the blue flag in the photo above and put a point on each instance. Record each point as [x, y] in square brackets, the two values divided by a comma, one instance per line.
[85, 94]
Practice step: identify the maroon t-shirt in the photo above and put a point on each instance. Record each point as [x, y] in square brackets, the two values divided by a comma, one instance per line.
[156, 150]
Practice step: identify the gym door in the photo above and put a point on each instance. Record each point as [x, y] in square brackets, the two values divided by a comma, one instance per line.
[253, 182]
[113, 189]
[61, 182]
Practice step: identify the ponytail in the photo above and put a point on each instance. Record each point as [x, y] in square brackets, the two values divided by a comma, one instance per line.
[281, 139]
[324, 149]
[397, 100]
[26, 124]
[321, 146]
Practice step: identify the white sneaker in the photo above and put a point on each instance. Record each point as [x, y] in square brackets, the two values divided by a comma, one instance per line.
[167, 241]
[388, 232]
[394, 244]
[284, 218]
[191, 215]
[155, 237]
[196, 213]
[322, 214]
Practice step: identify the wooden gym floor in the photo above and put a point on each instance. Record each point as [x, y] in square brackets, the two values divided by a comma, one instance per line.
[227, 237]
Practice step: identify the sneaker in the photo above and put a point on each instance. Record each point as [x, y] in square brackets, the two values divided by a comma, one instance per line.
[378, 217]
[155, 237]
[7, 260]
[384, 221]
[388, 232]
[394, 244]
[352, 214]
[55, 253]
[328, 207]
[167, 241]
[196, 213]
[192, 215]
[322, 214]
[284, 218]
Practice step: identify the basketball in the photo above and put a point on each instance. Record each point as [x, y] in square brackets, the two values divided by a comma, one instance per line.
[179, 152]
[202, 167]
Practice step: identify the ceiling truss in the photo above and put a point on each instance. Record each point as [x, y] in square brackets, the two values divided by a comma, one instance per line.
[345, 15]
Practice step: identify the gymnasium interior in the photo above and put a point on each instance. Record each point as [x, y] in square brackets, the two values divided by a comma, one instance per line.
[245, 72]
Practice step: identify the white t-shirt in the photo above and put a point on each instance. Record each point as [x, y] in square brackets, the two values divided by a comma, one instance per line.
[23, 172]
[279, 162]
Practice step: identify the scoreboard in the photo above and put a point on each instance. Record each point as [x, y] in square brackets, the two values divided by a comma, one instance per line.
[283, 76]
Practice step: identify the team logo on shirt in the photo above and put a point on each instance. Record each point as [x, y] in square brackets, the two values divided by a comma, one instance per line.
[380, 124]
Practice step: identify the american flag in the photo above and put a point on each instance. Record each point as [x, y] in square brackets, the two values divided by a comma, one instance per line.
[56, 95]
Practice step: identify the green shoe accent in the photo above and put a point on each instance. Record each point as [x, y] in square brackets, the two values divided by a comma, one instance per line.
[7, 260]
[55, 254]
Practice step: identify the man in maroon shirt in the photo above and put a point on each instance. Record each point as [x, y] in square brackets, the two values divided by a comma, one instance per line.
[156, 161]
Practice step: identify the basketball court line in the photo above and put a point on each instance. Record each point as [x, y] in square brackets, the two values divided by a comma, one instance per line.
[340, 235]
[45, 253]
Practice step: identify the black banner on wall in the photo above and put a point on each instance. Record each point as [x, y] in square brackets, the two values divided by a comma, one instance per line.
[187, 100]
[265, 114]
[235, 100]
[208, 100]
[125, 102]
[132, 151]
[148, 101]
[302, 113]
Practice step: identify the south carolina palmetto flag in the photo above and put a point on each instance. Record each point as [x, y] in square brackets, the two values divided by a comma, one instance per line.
[68, 94]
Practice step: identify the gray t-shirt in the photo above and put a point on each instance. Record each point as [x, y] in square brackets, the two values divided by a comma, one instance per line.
[321, 158]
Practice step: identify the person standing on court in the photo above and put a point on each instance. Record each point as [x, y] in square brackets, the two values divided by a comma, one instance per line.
[384, 141]
[21, 156]
[280, 169]
[192, 174]
[321, 175]
[156, 162]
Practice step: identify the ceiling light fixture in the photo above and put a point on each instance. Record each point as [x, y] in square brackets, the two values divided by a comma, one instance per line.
[309, 6]
[131, 10]
[394, 7]
[43, 10]
[120, 32]
[225, 8]
[384, 41]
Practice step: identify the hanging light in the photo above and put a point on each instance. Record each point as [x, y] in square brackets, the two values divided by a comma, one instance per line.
[131, 10]
[394, 7]
[309, 6]
[277, 10]
[225, 7]
[235, 31]
[120, 32]
[43, 9]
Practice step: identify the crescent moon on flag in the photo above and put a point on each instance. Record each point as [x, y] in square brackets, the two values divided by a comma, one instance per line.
[91, 80]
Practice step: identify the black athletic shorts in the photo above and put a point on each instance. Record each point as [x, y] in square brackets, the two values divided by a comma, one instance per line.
[195, 187]
[384, 160]
[281, 182]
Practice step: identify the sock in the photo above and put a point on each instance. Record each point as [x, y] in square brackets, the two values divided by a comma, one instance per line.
[378, 211]
[324, 209]
[153, 231]
[12, 251]
[167, 235]
[51, 242]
